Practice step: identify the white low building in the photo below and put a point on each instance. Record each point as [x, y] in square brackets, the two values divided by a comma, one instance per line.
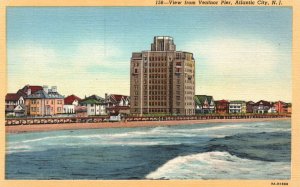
[95, 105]
[70, 104]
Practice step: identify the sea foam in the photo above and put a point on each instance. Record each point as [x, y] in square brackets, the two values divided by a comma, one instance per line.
[219, 165]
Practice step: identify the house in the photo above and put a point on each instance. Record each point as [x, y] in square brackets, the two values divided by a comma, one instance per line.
[14, 105]
[237, 107]
[95, 105]
[281, 107]
[262, 107]
[249, 106]
[70, 102]
[222, 106]
[81, 111]
[29, 89]
[272, 109]
[46, 102]
[117, 104]
[15, 102]
[204, 104]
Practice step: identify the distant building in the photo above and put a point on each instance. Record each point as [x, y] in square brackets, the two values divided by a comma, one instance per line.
[15, 102]
[249, 106]
[81, 111]
[70, 103]
[162, 80]
[29, 89]
[46, 102]
[262, 107]
[14, 105]
[237, 107]
[204, 104]
[281, 107]
[222, 106]
[117, 104]
[95, 105]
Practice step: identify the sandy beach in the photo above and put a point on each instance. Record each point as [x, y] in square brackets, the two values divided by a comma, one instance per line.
[74, 126]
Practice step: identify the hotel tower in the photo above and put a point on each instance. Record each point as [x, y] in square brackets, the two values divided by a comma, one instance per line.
[162, 80]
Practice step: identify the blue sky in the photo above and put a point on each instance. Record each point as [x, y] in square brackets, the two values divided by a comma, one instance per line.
[240, 52]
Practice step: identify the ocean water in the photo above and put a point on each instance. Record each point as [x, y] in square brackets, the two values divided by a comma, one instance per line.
[252, 150]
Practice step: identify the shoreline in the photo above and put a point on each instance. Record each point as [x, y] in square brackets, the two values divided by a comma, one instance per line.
[75, 126]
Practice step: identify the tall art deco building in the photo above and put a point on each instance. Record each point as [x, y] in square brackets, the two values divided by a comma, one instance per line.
[162, 80]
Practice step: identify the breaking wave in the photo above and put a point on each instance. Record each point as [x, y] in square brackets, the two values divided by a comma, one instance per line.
[219, 165]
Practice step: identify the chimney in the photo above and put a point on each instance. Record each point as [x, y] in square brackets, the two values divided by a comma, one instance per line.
[45, 88]
[29, 91]
[54, 88]
[106, 96]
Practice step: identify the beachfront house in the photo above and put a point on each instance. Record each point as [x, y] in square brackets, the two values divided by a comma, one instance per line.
[249, 106]
[14, 105]
[15, 102]
[237, 107]
[70, 103]
[281, 107]
[222, 106]
[94, 104]
[204, 104]
[262, 107]
[46, 102]
[117, 104]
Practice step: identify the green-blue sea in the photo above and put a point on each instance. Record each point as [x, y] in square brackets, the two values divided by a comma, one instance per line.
[250, 150]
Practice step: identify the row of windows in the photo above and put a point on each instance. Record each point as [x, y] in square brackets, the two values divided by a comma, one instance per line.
[155, 70]
[155, 81]
[156, 75]
[155, 103]
[47, 101]
[155, 97]
[158, 58]
[235, 107]
[37, 109]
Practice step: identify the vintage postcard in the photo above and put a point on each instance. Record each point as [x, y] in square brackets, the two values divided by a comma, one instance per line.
[157, 93]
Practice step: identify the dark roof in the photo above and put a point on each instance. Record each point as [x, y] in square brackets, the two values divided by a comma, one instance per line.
[262, 102]
[33, 89]
[89, 101]
[116, 98]
[41, 94]
[200, 99]
[250, 103]
[223, 101]
[70, 99]
[96, 97]
[12, 97]
[237, 102]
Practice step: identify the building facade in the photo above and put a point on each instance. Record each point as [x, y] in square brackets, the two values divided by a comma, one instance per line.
[70, 104]
[94, 104]
[281, 107]
[222, 106]
[46, 102]
[14, 105]
[204, 104]
[162, 80]
[249, 106]
[262, 107]
[117, 104]
[237, 107]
